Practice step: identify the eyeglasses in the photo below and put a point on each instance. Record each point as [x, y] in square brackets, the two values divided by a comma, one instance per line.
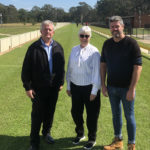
[86, 36]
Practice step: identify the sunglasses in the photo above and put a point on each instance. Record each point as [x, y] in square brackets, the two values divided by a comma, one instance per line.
[82, 36]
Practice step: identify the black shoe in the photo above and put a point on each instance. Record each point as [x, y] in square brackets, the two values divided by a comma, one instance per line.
[33, 148]
[89, 145]
[49, 139]
[78, 139]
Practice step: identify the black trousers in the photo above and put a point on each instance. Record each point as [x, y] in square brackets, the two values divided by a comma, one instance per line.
[81, 98]
[43, 108]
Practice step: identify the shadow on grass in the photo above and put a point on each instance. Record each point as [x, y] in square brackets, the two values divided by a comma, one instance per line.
[22, 143]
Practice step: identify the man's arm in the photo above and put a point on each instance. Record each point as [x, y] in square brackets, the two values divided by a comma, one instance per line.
[135, 77]
[62, 67]
[26, 72]
[103, 68]
[58, 65]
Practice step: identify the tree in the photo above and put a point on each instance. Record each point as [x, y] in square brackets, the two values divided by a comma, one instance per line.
[12, 14]
[60, 14]
[9, 13]
[36, 14]
[84, 9]
[3, 12]
[107, 8]
[22, 15]
[48, 12]
[141, 5]
[80, 13]
[74, 16]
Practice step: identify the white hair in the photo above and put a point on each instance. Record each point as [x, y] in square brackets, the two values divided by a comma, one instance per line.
[85, 30]
[47, 22]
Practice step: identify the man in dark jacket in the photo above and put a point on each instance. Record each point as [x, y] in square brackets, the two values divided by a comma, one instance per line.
[43, 77]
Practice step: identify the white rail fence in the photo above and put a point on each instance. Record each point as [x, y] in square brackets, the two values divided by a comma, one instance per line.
[9, 43]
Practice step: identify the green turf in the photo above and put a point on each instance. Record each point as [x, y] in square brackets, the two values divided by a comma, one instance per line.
[3, 36]
[141, 31]
[16, 107]
[107, 32]
[12, 30]
[143, 45]
[103, 30]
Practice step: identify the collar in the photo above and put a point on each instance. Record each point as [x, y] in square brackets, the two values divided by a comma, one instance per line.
[43, 43]
[79, 49]
[85, 48]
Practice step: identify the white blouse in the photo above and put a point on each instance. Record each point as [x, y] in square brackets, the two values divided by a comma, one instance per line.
[84, 67]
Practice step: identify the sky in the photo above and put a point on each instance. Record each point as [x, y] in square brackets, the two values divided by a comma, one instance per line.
[28, 4]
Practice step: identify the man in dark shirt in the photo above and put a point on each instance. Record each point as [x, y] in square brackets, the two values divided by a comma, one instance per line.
[43, 77]
[121, 61]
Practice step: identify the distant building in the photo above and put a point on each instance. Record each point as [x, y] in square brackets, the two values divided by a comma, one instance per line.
[142, 21]
[136, 21]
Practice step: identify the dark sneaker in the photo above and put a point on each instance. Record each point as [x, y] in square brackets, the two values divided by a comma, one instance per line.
[89, 145]
[78, 139]
[49, 139]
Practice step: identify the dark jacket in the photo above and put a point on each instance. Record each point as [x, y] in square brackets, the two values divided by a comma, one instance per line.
[35, 69]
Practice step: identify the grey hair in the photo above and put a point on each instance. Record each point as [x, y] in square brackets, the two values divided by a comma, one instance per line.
[116, 18]
[85, 30]
[47, 22]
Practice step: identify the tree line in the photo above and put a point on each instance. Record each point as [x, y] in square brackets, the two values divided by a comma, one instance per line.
[107, 8]
[81, 13]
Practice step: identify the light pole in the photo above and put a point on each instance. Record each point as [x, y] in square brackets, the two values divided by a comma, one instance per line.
[139, 18]
[1, 21]
[81, 19]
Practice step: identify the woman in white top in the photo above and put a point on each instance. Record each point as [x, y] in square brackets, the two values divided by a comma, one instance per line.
[83, 85]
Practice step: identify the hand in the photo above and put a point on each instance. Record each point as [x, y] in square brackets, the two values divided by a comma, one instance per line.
[130, 95]
[104, 91]
[60, 88]
[30, 93]
[92, 97]
[68, 93]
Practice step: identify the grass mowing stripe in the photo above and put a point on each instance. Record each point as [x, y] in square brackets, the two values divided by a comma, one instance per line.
[10, 66]
[16, 107]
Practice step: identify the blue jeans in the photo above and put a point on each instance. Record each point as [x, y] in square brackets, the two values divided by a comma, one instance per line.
[116, 96]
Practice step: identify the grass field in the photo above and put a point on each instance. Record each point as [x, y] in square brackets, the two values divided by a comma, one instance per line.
[16, 107]
[141, 31]
[3, 36]
[17, 28]
[103, 30]
[13, 29]
[107, 32]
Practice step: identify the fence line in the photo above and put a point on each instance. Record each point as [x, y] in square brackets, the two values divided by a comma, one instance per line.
[107, 36]
[9, 43]
[141, 33]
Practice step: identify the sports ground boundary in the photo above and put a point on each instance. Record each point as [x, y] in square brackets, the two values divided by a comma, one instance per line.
[9, 43]
[146, 51]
